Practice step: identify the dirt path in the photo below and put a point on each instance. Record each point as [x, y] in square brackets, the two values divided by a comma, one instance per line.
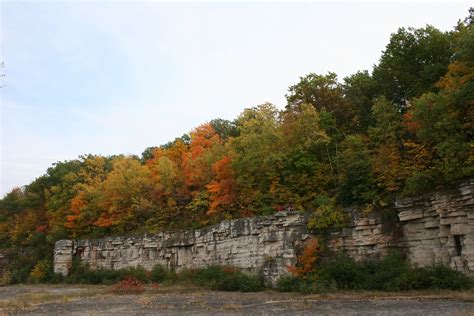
[89, 300]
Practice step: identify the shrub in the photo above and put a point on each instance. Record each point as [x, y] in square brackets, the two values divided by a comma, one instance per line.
[40, 272]
[82, 274]
[310, 285]
[138, 273]
[392, 273]
[289, 284]
[240, 282]
[442, 277]
[207, 277]
[343, 272]
[327, 214]
[212, 277]
[389, 274]
[5, 278]
[223, 279]
[128, 285]
[56, 278]
[161, 274]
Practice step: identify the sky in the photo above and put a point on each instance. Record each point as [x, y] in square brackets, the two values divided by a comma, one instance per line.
[107, 77]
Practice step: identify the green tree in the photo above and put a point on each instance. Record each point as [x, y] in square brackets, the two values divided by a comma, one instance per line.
[256, 156]
[357, 179]
[386, 140]
[224, 128]
[413, 61]
[323, 92]
[360, 89]
[440, 129]
[304, 144]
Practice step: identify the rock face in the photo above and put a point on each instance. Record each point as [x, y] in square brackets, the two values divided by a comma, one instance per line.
[368, 236]
[438, 228]
[265, 245]
[430, 229]
[63, 256]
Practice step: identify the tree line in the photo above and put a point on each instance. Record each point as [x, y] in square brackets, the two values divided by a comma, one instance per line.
[403, 128]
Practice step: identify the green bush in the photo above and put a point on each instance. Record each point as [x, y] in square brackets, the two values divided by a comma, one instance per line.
[212, 277]
[223, 279]
[310, 285]
[83, 274]
[289, 284]
[392, 273]
[137, 273]
[240, 282]
[439, 277]
[343, 272]
[207, 277]
[388, 274]
[160, 274]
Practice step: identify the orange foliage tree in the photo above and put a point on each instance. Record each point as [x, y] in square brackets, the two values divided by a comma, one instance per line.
[305, 263]
[222, 188]
[205, 148]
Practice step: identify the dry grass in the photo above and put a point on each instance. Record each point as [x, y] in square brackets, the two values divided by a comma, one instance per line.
[29, 296]
[30, 300]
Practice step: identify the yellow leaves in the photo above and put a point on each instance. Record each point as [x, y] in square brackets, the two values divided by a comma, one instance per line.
[303, 127]
[418, 157]
[387, 167]
[166, 173]
[459, 73]
[24, 225]
[92, 173]
[127, 183]
[39, 271]
[327, 215]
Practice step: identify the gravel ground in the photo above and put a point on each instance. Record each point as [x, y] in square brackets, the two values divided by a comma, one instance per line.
[70, 300]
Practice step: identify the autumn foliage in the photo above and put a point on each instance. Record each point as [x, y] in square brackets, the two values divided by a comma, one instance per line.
[306, 261]
[222, 188]
[404, 128]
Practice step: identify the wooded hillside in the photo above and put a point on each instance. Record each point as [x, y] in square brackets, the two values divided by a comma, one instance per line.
[404, 127]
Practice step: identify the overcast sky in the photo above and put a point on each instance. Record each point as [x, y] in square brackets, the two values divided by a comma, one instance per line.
[108, 78]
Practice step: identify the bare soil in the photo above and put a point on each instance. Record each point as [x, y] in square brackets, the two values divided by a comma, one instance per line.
[179, 300]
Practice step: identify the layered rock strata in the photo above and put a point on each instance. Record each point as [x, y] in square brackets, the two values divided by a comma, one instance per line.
[265, 245]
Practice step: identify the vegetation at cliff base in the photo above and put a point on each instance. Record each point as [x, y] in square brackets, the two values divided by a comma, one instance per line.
[392, 273]
[132, 280]
[404, 127]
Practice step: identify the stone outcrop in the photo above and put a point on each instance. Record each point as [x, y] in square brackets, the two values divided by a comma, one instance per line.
[63, 254]
[438, 228]
[367, 236]
[430, 229]
[265, 245]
